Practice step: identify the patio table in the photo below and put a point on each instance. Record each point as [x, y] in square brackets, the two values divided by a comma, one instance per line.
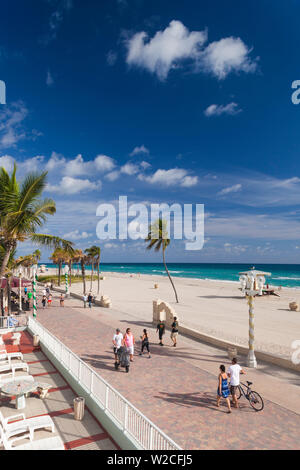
[19, 388]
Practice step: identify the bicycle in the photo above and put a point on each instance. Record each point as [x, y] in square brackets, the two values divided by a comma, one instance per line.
[253, 397]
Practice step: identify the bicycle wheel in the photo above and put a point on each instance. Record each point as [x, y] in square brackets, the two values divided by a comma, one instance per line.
[238, 393]
[256, 401]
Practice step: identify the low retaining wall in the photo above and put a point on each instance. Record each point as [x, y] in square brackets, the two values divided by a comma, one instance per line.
[224, 345]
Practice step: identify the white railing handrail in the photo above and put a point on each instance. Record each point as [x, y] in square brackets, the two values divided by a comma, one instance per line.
[35, 325]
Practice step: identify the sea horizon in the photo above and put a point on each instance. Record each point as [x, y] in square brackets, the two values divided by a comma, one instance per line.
[282, 274]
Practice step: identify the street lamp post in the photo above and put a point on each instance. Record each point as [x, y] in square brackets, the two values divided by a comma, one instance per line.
[252, 283]
[34, 269]
[67, 280]
[20, 291]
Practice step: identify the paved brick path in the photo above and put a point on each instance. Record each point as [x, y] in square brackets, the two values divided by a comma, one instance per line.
[176, 388]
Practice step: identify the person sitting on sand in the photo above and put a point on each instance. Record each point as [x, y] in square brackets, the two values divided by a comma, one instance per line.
[223, 389]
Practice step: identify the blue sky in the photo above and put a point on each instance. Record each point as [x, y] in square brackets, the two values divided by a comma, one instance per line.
[186, 102]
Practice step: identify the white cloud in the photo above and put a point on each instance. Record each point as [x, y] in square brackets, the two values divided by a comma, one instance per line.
[218, 110]
[145, 165]
[56, 161]
[7, 162]
[172, 177]
[69, 185]
[56, 19]
[11, 124]
[138, 150]
[111, 58]
[230, 189]
[166, 49]
[49, 79]
[76, 235]
[225, 56]
[78, 166]
[104, 163]
[129, 169]
[113, 176]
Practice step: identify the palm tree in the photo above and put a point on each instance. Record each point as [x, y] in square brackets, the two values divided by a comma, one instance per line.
[94, 256]
[37, 256]
[22, 212]
[58, 257]
[82, 259]
[158, 238]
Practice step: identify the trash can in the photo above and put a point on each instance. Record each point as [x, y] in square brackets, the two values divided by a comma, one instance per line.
[36, 340]
[79, 408]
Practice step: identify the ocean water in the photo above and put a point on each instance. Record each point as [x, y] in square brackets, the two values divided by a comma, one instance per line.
[286, 275]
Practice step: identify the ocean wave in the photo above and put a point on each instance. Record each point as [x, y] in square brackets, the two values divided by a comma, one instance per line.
[287, 278]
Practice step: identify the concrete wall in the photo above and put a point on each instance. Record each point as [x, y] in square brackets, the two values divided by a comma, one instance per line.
[224, 345]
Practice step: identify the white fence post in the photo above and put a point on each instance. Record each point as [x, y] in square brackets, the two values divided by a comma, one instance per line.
[106, 398]
[125, 417]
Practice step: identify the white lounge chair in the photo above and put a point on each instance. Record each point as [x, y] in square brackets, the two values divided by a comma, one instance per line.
[50, 443]
[29, 424]
[7, 356]
[15, 434]
[7, 366]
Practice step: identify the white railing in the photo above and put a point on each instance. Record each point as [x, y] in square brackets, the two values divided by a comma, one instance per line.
[129, 418]
[13, 321]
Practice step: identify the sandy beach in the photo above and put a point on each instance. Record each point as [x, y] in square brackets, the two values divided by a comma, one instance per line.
[213, 307]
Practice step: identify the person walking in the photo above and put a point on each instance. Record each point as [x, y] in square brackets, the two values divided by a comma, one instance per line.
[61, 300]
[25, 291]
[117, 342]
[174, 332]
[128, 341]
[223, 389]
[49, 300]
[44, 300]
[90, 299]
[84, 300]
[161, 331]
[233, 373]
[29, 296]
[145, 343]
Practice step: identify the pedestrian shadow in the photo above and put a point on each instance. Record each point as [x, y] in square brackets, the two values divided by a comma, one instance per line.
[198, 399]
[99, 361]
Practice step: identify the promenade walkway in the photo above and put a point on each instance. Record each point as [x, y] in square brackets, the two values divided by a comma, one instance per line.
[176, 388]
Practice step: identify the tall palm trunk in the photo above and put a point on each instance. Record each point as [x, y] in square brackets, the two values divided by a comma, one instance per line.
[59, 271]
[5, 260]
[98, 275]
[70, 273]
[8, 296]
[91, 288]
[164, 261]
[83, 276]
